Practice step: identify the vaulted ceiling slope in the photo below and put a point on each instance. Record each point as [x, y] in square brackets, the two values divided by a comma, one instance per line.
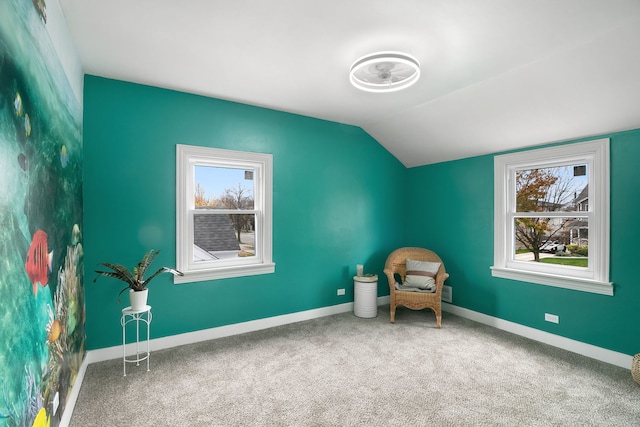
[496, 74]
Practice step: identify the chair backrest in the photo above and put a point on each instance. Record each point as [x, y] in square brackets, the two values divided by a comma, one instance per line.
[397, 261]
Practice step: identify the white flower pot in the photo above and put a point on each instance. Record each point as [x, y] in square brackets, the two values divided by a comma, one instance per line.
[138, 299]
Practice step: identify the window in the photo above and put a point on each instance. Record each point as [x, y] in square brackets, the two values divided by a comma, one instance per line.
[223, 213]
[552, 216]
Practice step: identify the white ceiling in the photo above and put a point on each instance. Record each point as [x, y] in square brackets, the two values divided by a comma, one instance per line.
[496, 74]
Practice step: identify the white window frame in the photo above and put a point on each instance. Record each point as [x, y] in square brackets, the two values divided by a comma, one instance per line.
[595, 278]
[187, 157]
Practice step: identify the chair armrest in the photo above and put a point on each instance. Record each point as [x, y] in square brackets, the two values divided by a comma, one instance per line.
[440, 278]
[390, 279]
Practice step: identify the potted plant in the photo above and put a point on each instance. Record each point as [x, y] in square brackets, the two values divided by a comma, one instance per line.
[136, 283]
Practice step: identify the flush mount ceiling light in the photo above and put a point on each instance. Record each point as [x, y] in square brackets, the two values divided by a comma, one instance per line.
[384, 72]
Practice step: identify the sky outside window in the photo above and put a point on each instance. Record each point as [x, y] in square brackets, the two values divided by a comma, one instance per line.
[215, 180]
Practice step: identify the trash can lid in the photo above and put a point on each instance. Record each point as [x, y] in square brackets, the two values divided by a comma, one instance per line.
[366, 278]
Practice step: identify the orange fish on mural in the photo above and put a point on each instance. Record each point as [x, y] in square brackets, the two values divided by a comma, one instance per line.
[54, 331]
[38, 263]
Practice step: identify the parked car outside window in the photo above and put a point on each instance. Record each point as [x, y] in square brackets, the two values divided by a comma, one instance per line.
[553, 247]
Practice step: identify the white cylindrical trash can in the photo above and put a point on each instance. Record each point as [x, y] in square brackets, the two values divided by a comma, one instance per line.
[365, 295]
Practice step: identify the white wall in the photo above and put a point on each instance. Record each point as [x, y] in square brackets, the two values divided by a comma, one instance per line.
[62, 42]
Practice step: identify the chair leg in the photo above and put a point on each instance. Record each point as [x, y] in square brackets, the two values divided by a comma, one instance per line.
[438, 319]
[392, 311]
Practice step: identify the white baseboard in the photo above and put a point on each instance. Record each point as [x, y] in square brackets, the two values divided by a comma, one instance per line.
[156, 344]
[602, 354]
[598, 353]
[73, 396]
[592, 351]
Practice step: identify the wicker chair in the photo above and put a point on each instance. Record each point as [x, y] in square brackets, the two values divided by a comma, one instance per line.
[396, 265]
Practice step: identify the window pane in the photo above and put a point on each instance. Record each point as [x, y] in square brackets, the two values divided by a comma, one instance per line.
[561, 188]
[223, 236]
[578, 232]
[224, 188]
[563, 241]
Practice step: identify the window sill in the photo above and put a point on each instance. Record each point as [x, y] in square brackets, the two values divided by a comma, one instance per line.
[585, 285]
[224, 273]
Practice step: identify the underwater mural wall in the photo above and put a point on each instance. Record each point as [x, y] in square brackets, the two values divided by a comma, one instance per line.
[42, 335]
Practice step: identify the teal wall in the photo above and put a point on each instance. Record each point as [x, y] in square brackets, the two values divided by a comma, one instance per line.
[452, 212]
[336, 193]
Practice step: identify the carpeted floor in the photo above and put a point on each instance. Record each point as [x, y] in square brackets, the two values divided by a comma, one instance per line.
[346, 371]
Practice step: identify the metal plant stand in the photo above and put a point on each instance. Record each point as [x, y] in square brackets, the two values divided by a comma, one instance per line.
[129, 315]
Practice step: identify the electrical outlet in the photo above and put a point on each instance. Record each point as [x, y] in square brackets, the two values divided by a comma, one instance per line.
[340, 291]
[551, 318]
[447, 294]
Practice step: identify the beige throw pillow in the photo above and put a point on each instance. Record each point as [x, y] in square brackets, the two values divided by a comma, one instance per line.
[421, 274]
